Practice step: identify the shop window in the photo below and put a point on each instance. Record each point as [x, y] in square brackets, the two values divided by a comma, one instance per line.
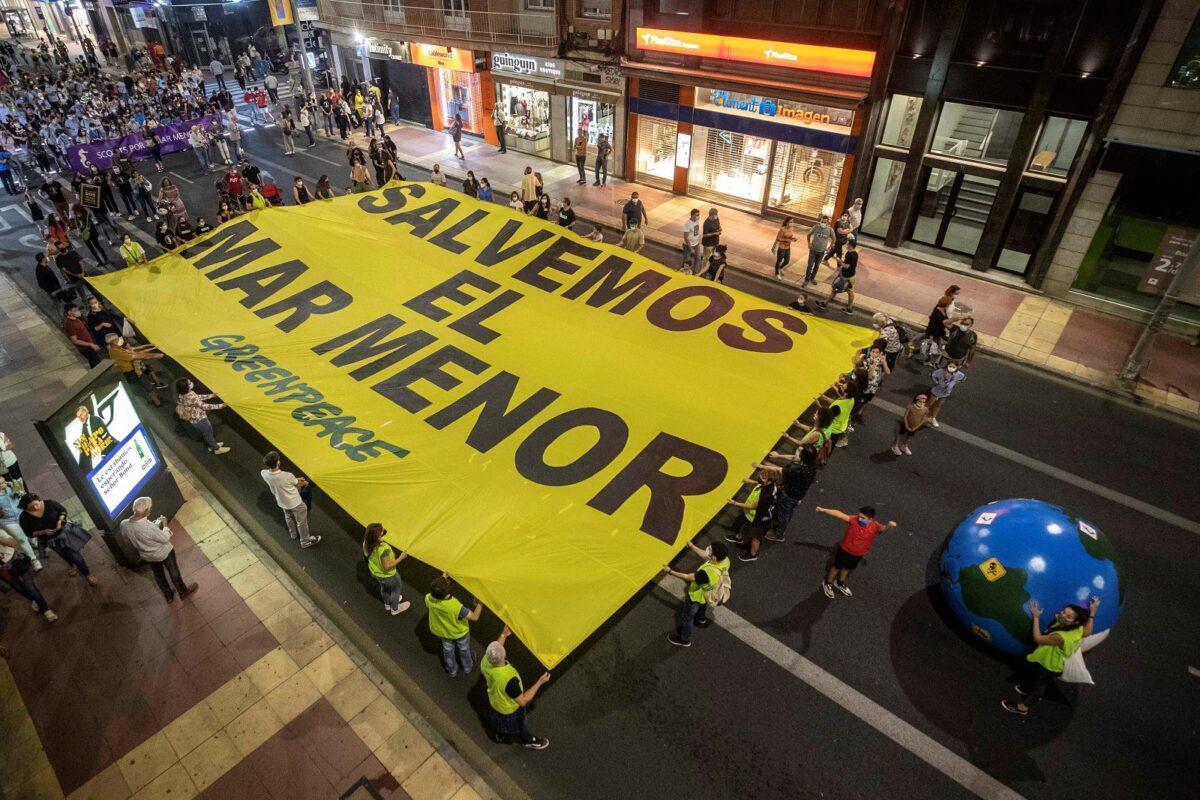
[1185, 74]
[528, 114]
[901, 120]
[460, 94]
[540, 5]
[1057, 145]
[885, 186]
[596, 9]
[1026, 230]
[805, 180]
[593, 118]
[976, 133]
[731, 166]
[656, 151]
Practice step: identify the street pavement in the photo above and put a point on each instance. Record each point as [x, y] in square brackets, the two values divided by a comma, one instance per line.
[792, 695]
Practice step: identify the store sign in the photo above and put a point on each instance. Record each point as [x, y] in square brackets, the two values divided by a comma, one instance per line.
[683, 150]
[788, 112]
[526, 65]
[434, 55]
[1168, 259]
[378, 48]
[815, 58]
[306, 11]
[142, 17]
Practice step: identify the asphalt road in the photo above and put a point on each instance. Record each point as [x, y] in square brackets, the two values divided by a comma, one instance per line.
[847, 698]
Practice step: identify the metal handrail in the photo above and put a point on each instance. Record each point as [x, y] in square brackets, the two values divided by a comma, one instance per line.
[403, 21]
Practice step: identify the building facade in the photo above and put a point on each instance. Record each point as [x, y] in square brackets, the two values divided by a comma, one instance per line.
[1137, 215]
[767, 125]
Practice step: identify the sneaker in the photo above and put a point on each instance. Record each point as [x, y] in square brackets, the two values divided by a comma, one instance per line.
[842, 443]
[827, 588]
[92, 580]
[933, 422]
[778, 275]
[848, 311]
[748, 557]
[220, 451]
[160, 385]
[896, 451]
[33, 604]
[677, 642]
[149, 219]
[821, 304]
[192, 588]
[773, 537]
[1021, 690]
[1012, 708]
[538, 743]
[734, 538]
[312, 541]
[703, 623]
[400, 609]
[907, 452]
[36, 564]
[843, 588]
[131, 217]
[596, 183]
[49, 615]
[849, 429]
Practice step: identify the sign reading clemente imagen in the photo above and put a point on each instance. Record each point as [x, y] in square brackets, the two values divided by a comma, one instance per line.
[815, 58]
[546, 418]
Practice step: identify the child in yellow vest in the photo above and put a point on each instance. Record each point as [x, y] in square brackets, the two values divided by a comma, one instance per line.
[449, 621]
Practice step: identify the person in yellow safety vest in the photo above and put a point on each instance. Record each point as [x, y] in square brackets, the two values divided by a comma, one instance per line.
[382, 560]
[132, 251]
[1054, 647]
[449, 620]
[694, 608]
[508, 697]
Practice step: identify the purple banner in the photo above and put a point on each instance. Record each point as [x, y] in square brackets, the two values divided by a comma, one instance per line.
[101, 153]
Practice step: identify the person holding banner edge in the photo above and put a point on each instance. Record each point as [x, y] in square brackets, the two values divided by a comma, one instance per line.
[508, 698]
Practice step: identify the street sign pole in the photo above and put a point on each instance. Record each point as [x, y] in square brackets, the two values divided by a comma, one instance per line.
[305, 72]
[1140, 355]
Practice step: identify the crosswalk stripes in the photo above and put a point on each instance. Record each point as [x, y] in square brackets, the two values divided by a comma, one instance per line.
[285, 91]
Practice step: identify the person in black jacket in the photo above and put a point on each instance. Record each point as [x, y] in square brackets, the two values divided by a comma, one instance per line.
[45, 522]
[48, 282]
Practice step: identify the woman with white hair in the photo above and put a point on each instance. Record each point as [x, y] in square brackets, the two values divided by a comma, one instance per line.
[890, 333]
[152, 540]
[508, 697]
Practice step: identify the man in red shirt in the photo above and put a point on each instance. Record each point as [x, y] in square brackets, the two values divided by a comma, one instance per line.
[861, 530]
[234, 187]
[79, 335]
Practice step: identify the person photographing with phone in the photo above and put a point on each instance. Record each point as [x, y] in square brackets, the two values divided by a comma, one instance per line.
[152, 540]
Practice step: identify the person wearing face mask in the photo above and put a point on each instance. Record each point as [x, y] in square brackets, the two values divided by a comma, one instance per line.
[861, 530]
[913, 420]
[960, 345]
[130, 359]
[1060, 641]
[193, 408]
[944, 381]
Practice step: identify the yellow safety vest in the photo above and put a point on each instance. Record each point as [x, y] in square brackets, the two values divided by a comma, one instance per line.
[698, 593]
[443, 618]
[497, 678]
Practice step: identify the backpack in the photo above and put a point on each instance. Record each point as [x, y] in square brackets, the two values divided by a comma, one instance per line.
[721, 593]
[903, 335]
[824, 449]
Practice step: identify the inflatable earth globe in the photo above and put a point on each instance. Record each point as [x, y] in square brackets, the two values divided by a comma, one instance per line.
[1010, 552]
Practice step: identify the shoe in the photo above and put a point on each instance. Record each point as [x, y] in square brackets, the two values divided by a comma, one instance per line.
[49, 615]
[1021, 690]
[314, 540]
[220, 451]
[400, 609]
[896, 451]
[131, 217]
[907, 452]
[538, 743]
[192, 588]
[169, 598]
[821, 304]
[848, 311]
[827, 588]
[703, 623]
[773, 537]
[36, 564]
[734, 538]
[677, 642]
[597, 183]
[33, 604]
[850, 428]
[72, 572]
[934, 423]
[92, 580]
[842, 443]
[843, 588]
[149, 219]
[778, 275]
[160, 385]
[1013, 709]
[748, 557]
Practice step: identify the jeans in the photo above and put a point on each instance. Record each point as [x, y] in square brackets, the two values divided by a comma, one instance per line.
[463, 648]
[370, 124]
[581, 163]
[784, 508]
[127, 199]
[388, 587]
[72, 557]
[222, 150]
[311, 139]
[501, 137]
[507, 727]
[297, 523]
[273, 94]
[206, 430]
[93, 244]
[147, 204]
[169, 566]
[328, 124]
[601, 169]
[9, 185]
[24, 586]
[782, 257]
[694, 255]
[235, 149]
[202, 157]
[689, 613]
[815, 257]
[220, 79]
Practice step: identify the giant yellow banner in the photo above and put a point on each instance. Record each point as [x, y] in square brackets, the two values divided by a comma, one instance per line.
[546, 419]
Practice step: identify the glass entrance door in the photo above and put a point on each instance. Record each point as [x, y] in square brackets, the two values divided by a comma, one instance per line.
[1026, 229]
[953, 210]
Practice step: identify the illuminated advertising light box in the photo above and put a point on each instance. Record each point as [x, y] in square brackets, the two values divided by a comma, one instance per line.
[811, 57]
[101, 441]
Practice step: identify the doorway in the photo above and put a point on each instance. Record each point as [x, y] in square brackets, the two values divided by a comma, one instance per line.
[1026, 229]
[954, 208]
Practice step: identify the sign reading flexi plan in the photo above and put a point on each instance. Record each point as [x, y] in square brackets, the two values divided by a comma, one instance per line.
[125, 471]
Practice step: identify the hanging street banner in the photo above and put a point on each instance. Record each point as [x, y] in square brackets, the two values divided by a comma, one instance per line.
[547, 419]
[101, 153]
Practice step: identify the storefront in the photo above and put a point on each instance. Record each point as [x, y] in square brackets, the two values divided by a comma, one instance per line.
[548, 101]
[758, 152]
[459, 87]
[404, 87]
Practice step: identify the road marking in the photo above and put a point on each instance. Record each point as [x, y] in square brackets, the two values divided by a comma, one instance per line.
[924, 747]
[1120, 498]
[177, 175]
[1194, 672]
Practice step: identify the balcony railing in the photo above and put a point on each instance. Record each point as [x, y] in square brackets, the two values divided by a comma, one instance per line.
[405, 22]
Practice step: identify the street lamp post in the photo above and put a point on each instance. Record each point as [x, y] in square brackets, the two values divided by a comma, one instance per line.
[1140, 355]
